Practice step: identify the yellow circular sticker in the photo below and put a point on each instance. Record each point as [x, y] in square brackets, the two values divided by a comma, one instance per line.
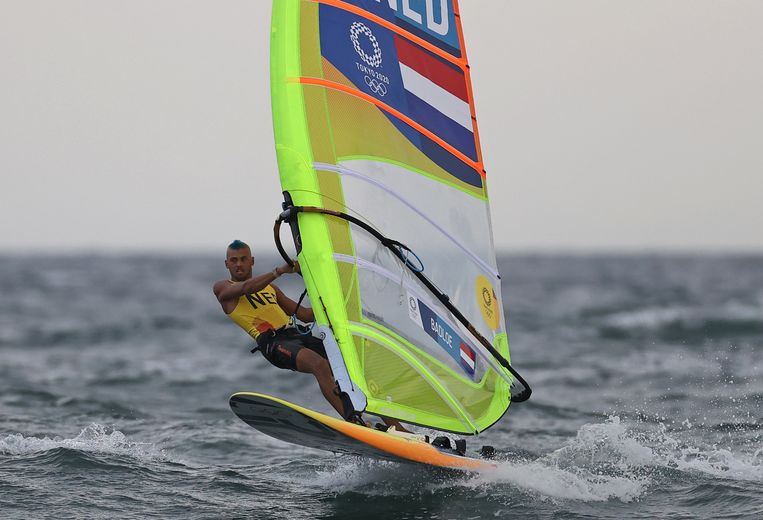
[487, 301]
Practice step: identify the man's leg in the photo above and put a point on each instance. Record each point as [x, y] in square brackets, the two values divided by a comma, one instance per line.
[309, 362]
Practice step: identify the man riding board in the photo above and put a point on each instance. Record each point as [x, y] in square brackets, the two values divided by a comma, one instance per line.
[264, 311]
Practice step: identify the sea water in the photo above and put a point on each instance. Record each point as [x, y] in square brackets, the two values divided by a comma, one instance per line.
[115, 373]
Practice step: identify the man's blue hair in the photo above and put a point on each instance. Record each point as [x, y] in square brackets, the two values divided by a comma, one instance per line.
[238, 244]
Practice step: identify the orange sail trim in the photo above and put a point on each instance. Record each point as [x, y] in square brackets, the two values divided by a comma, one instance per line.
[460, 62]
[407, 120]
[467, 74]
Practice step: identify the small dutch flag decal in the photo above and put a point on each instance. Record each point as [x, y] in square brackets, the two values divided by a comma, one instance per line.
[468, 358]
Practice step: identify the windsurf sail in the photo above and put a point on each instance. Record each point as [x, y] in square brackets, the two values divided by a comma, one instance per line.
[385, 190]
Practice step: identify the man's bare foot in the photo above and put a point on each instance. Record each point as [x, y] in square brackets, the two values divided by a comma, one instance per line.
[394, 423]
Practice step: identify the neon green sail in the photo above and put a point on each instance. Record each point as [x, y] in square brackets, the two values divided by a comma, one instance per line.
[373, 116]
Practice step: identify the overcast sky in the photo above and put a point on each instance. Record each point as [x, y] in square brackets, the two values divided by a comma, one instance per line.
[142, 124]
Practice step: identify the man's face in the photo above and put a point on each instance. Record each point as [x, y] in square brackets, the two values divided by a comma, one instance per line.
[239, 263]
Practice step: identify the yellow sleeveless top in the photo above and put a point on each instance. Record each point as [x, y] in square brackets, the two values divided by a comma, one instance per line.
[259, 312]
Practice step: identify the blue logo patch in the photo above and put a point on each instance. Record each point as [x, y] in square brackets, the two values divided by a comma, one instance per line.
[450, 341]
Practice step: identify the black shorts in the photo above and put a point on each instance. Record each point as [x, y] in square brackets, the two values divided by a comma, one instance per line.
[282, 346]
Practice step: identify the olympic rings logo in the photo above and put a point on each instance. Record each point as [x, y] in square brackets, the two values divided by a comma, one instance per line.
[356, 30]
[377, 87]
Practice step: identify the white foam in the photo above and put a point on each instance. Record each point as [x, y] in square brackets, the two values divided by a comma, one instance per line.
[377, 478]
[716, 461]
[552, 482]
[616, 460]
[95, 438]
[610, 460]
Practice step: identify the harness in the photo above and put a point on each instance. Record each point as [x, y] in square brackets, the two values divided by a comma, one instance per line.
[265, 339]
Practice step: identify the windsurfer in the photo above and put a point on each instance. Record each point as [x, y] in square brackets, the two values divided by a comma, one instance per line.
[263, 311]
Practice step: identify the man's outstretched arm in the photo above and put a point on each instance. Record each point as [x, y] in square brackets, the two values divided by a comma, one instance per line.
[225, 290]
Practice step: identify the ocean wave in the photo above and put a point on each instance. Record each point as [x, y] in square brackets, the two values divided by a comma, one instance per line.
[546, 481]
[685, 321]
[610, 460]
[73, 405]
[83, 332]
[118, 366]
[95, 438]
[625, 446]
[615, 460]
[537, 478]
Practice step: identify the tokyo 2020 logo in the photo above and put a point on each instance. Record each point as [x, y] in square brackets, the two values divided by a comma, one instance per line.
[375, 58]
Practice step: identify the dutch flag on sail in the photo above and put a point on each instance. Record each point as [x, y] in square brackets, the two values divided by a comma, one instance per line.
[437, 96]
[468, 358]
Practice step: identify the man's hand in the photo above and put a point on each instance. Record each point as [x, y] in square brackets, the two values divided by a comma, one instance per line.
[286, 268]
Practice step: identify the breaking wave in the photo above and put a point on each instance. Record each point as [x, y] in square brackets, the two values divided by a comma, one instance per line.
[95, 438]
[685, 321]
[612, 460]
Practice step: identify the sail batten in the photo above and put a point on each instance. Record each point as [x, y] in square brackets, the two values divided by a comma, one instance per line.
[374, 121]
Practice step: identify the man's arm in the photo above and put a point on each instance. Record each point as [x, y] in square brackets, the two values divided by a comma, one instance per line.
[226, 291]
[289, 306]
